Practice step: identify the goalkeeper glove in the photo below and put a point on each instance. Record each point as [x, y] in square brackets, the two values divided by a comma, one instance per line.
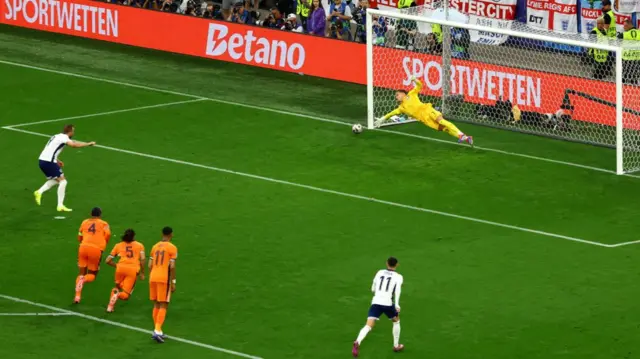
[378, 122]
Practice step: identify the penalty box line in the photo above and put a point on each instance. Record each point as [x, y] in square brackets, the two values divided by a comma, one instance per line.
[338, 193]
[61, 311]
[310, 117]
[140, 108]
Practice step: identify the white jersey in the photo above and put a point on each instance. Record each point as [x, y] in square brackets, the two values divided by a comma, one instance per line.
[386, 287]
[53, 148]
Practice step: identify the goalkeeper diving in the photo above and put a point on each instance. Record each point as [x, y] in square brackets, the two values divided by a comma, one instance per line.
[410, 105]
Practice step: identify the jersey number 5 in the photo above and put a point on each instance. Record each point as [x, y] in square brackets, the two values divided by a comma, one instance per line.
[159, 258]
[129, 251]
[382, 282]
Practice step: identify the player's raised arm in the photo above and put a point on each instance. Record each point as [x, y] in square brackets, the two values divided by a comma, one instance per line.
[78, 144]
[416, 88]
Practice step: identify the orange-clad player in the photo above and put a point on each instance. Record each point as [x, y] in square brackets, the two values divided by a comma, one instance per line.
[94, 235]
[130, 267]
[162, 279]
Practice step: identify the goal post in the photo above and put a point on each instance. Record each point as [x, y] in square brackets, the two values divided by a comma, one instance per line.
[565, 86]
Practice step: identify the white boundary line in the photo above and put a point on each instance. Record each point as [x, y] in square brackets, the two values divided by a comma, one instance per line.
[34, 314]
[623, 244]
[125, 326]
[108, 112]
[315, 118]
[338, 193]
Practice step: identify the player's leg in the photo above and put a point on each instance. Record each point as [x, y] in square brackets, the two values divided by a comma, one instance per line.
[62, 190]
[83, 260]
[93, 264]
[396, 334]
[51, 171]
[113, 297]
[374, 313]
[128, 283]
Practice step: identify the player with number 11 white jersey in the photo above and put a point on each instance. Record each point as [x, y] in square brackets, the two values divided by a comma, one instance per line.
[386, 289]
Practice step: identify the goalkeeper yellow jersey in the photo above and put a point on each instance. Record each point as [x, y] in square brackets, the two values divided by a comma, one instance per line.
[413, 107]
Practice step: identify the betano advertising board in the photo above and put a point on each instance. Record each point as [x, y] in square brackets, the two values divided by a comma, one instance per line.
[308, 55]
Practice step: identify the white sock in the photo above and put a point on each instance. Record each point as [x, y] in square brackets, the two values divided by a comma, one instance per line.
[61, 191]
[47, 186]
[396, 333]
[363, 333]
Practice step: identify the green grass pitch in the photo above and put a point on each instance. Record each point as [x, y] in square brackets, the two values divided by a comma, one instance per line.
[282, 219]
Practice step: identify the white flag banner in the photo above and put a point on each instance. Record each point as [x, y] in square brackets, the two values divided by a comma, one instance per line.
[499, 14]
[553, 15]
[626, 6]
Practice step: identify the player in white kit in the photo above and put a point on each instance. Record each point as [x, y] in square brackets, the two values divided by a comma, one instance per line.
[386, 300]
[52, 167]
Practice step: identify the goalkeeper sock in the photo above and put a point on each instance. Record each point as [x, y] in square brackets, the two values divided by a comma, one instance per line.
[450, 128]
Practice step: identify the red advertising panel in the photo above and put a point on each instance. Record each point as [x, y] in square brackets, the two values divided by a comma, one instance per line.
[309, 55]
[250, 45]
[486, 83]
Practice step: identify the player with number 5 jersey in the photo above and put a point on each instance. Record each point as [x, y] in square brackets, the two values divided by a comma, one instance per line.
[130, 267]
[162, 279]
[93, 236]
[386, 289]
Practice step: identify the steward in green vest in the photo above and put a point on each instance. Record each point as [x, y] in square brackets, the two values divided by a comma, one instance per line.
[302, 10]
[630, 57]
[609, 18]
[601, 67]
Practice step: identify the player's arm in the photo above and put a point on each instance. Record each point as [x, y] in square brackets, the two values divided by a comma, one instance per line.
[396, 295]
[111, 256]
[172, 274]
[384, 118]
[107, 233]
[80, 236]
[373, 285]
[142, 258]
[417, 86]
[78, 144]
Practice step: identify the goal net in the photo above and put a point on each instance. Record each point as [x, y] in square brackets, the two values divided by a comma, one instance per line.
[508, 75]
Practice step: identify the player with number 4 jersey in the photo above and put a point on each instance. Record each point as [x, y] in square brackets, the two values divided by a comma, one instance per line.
[162, 279]
[130, 267]
[386, 300]
[93, 236]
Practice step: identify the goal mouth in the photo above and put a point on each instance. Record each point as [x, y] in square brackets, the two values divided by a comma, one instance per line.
[507, 75]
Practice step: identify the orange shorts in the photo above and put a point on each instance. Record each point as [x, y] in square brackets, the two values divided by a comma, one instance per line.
[159, 292]
[89, 257]
[126, 278]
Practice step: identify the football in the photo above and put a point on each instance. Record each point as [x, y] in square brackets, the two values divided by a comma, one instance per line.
[357, 128]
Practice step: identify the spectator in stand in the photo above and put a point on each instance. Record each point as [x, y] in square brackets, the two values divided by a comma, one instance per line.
[339, 17]
[317, 19]
[360, 18]
[379, 30]
[406, 30]
[226, 9]
[460, 42]
[434, 47]
[630, 58]
[274, 20]
[242, 13]
[286, 6]
[609, 19]
[302, 10]
[292, 24]
[598, 58]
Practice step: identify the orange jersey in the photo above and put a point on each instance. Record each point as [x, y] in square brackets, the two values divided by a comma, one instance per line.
[94, 232]
[129, 253]
[161, 255]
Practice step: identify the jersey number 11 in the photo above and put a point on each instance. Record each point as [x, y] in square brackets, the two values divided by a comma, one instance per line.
[382, 282]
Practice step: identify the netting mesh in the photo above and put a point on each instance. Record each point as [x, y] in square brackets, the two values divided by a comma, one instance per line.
[510, 82]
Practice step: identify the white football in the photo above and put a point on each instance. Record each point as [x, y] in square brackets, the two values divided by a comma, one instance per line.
[357, 128]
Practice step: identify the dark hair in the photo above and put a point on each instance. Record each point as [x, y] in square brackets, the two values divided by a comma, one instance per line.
[606, 2]
[167, 231]
[96, 212]
[129, 235]
[392, 262]
[68, 128]
[312, 9]
[402, 90]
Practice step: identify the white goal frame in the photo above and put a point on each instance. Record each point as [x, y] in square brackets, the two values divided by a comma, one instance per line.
[559, 39]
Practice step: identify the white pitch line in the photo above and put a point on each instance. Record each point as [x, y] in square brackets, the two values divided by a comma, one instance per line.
[108, 112]
[623, 244]
[34, 314]
[126, 326]
[343, 194]
[311, 117]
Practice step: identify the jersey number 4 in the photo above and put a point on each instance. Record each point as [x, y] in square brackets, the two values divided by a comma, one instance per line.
[92, 228]
[382, 278]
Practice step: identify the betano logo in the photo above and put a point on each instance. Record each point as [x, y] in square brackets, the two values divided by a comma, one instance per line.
[258, 50]
[64, 15]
